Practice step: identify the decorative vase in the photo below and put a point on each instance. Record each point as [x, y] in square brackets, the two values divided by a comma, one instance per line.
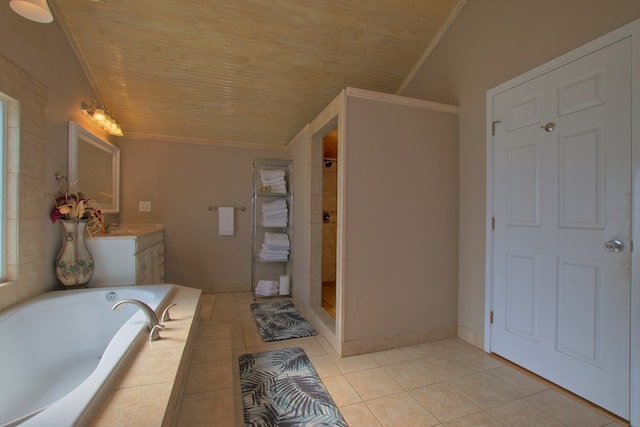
[74, 264]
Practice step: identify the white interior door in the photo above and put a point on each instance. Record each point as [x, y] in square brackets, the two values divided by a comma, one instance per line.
[561, 191]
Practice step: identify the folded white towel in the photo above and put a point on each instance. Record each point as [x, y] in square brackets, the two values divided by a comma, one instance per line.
[271, 174]
[275, 221]
[267, 288]
[275, 224]
[277, 239]
[278, 189]
[281, 212]
[276, 205]
[226, 225]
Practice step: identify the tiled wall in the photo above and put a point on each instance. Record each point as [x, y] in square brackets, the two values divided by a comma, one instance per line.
[25, 186]
[330, 205]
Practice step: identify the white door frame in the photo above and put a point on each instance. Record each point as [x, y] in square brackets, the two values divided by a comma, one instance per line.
[631, 30]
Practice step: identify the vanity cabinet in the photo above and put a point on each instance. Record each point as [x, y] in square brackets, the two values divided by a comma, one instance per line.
[136, 259]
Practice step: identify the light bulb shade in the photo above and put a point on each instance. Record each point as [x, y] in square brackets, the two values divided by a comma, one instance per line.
[101, 117]
[34, 10]
[98, 115]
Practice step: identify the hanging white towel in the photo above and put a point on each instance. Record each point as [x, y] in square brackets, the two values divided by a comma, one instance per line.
[225, 221]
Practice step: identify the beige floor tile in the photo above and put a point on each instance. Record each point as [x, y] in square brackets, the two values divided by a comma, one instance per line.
[212, 408]
[479, 419]
[225, 299]
[373, 383]
[253, 339]
[246, 316]
[477, 359]
[341, 391]
[237, 342]
[391, 357]
[324, 365]
[310, 345]
[401, 410]
[225, 316]
[244, 297]
[418, 351]
[249, 327]
[453, 345]
[444, 366]
[445, 402]
[206, 306]
[412, 375]
[483, 391]
[515, 381]
[265, 346]
[354, 363]
[521, 414]
[617, 424]
[567, 409]
[327, 346]
[209, 376]
[209, 351]
[225, 305]
[235, 328]
[418, 385]
[359, 415]
[213, 331]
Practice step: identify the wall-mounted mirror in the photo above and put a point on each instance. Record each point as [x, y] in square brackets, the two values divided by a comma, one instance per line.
[94, 168]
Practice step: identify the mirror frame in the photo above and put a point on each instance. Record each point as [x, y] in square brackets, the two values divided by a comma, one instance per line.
[79, 134]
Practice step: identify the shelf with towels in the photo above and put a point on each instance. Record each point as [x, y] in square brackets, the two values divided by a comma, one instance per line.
[272, 207]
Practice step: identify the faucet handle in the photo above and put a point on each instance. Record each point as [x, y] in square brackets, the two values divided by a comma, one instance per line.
[165, 314]
[154, 335]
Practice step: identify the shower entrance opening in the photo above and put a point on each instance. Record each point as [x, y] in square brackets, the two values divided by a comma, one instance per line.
[329, 220]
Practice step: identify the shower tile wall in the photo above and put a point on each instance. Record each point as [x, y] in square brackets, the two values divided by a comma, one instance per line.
[329, 205]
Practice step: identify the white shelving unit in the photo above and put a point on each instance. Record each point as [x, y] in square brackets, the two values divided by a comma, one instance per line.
[272, 226]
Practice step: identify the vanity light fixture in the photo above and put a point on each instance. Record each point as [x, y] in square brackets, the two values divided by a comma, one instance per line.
[101, 117]
[33, 10]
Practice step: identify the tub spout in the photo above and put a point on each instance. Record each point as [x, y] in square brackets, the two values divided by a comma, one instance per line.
[154, 325]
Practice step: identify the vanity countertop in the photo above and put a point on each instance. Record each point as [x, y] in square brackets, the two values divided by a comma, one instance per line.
[128, 231]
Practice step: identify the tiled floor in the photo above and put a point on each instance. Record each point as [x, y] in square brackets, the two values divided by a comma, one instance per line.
[443, 383]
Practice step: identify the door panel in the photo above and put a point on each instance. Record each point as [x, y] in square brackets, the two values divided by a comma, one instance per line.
[562, 184]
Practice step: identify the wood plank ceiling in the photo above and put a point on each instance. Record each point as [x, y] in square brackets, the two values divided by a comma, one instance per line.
[242, 72]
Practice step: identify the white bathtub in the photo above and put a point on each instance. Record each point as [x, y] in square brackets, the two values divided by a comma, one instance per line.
[61, 351]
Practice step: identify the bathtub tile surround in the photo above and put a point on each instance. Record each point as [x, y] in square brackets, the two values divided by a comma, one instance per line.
[447, 382]
[151, 390]
[25, 186]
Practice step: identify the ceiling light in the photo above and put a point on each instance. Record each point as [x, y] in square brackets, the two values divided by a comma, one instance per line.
[100, 116]
[34, 10]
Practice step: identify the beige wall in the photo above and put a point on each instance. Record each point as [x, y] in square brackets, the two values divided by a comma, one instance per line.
[400, 226]
[300, 151]
[40, 70]
[489, 43]
[181, 181]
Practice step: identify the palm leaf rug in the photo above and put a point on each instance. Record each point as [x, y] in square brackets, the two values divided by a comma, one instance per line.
[280, 320]
[282, 388]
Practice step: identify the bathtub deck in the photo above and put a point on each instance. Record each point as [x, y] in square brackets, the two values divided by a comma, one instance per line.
[150, 390]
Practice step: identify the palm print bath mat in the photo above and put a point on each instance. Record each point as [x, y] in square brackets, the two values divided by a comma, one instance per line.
[282, 388]
[280, 320]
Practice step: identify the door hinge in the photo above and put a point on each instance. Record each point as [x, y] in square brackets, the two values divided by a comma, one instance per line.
[493, 126]
[491, 317]
[493, 222]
